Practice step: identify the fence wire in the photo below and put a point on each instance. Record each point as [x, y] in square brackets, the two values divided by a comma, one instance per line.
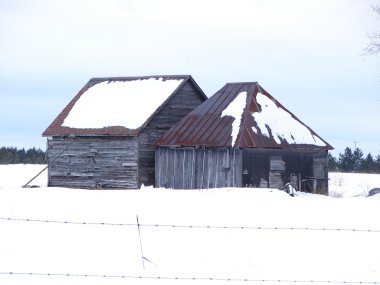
[226, 227]
[184, 278]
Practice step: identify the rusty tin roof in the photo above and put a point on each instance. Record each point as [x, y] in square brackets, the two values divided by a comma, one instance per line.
[208, 126]
[57, 128]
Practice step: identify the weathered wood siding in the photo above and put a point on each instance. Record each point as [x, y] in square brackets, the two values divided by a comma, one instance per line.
[276, 168]
[183, 102]
[93, 162]
[320, 174]
[198, 168]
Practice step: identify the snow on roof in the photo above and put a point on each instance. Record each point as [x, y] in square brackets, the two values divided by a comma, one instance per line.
[120, 103]
[281, 124]
[235, 109]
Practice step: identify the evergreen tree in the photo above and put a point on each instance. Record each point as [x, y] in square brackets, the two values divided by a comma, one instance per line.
[347, 160]
[5, 156]
[12, 155]
[369, 165]
[358, 157]
[377, 164]
[353, 161]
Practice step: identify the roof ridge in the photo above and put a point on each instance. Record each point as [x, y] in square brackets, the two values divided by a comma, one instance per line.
[240, 83]
[182, 76]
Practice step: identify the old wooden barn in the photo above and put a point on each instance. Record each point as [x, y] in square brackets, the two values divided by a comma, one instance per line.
[242, 137]
[105, 136]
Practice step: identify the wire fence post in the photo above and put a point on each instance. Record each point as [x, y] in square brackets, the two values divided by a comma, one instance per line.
[141, 247]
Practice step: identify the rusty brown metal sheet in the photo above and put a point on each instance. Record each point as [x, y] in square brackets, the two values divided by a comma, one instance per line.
[206, 127]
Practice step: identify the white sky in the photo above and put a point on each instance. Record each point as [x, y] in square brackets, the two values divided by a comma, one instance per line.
[306, 53]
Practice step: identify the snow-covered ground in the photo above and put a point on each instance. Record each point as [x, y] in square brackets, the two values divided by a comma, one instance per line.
[352, 184]
[220, 236]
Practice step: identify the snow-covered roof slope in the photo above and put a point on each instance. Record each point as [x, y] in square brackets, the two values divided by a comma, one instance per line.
[115, 106]
[274, 121]
[243, 115]
[120, 103]
[235, 109]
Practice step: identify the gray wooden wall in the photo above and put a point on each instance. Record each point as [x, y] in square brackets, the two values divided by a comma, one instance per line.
[183, 102]
[198, 168]
[93, 162]
[276, 167]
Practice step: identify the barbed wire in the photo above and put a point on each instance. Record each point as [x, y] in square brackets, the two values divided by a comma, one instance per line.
[190, 226]
[66, 222]
[187, 278]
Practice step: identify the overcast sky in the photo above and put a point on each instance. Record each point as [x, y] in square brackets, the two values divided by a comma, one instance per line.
[305, 53]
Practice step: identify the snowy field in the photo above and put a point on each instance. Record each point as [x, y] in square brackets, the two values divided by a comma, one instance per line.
[220, 236]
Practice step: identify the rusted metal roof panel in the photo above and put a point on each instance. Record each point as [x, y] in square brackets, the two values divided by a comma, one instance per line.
[57, 127]
[207, 126]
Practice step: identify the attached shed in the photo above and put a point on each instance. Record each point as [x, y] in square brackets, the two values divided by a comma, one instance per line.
[106, 135]
[242, 137]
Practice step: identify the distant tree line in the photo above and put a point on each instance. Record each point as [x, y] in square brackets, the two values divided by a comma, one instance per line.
[354, 161]
[12, 155]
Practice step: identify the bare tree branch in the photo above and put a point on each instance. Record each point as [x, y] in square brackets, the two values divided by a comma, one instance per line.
[376, 8]
[373, 46]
